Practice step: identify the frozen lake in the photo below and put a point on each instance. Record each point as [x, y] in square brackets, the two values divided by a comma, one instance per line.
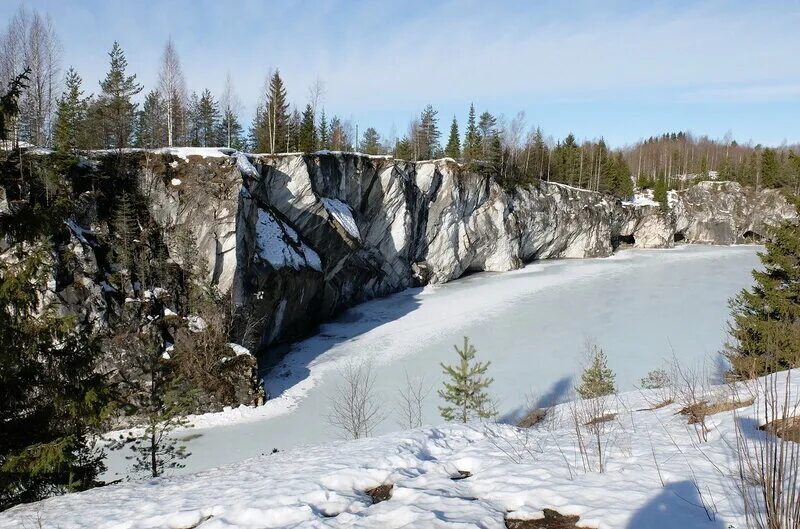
[640, 306]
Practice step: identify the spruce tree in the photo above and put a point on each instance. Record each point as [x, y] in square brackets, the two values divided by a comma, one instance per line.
[486, 132]
[323, 131]
[660, 194]
[71, 111]
[597, 380]
[308, 131]
[370, 142]
[766, 318]
[207, 119]
[151, 131]
[52, 399]
[118, 109]
[403, 150]
[465, 393]
[453, 149]
[9, 102]
[125, 228]
[769, 168]
[276, 115]
[229, 131]
[471, 141]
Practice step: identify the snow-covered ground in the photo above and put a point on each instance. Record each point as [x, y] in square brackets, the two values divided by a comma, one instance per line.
[657, 475]
[641, 306]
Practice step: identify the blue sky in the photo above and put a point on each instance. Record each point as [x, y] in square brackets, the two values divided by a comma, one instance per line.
[622, 70]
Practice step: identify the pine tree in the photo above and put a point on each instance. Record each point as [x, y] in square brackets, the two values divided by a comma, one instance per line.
[308, 131]
[370, 142]
[453, 149]
[597, 380]
[486, 132]
[766, 318]
[324, 142]
[118, 109]
[337, 135]
[471, 140]
[429, 134]
[157, 396]
[70, 115]
[53, 399]
[466, 391]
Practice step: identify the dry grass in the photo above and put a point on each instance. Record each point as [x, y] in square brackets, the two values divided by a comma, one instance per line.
[552, 520]
[658, 405]
[787, 429]
[380, 493]
[533, 418]
[601, 419]
[699, 411]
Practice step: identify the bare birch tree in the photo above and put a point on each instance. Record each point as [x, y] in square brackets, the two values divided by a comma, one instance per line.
[171, 86]
[31, 41]
[355, 409]
[230, 105]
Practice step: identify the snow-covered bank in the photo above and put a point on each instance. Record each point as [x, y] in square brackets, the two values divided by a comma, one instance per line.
[530, 323]
[658, 475]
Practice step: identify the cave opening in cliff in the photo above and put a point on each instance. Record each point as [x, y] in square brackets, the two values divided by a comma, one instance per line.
[623, 240]
[752, 236]
[679, 236]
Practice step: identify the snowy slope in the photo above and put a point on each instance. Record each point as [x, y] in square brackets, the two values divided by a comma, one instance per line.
[514, 473]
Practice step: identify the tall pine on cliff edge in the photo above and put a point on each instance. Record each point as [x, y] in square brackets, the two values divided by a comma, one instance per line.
[765, 333]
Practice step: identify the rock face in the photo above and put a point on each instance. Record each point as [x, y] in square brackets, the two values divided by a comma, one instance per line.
[295, 239]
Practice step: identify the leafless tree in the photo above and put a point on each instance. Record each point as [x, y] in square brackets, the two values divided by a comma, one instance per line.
[171, 86]
[31, 41]
[355, 408]
[769, 462]
[316, 94]
[412, 399]
[230, 105]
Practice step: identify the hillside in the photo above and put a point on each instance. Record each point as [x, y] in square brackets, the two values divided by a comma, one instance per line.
[659, 471]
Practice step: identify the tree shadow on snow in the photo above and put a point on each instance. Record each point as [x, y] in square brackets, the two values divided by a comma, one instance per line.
[678, 505]
[555, 395]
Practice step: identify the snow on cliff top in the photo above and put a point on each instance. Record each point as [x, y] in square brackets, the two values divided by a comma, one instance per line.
[657, 476]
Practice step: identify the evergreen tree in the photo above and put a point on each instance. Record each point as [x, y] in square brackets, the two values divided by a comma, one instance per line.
[70, 115]
[429, 134]
[486, 133]
[206, 119]
[118, 109]
[229, 131]
[769, 168]
[337, 135]
[9, 102]
[466, 392]
[370, 142]
[597, 380]
[275, 119]
[403, 150]
[471, 138]
[660, 194]
[324, 142]
[192, 128]
[151, 131]
[125, 228]
[157, 396]
[292, 140]
[453, 149]
[766, 317]
[53, 399]
[308, 131]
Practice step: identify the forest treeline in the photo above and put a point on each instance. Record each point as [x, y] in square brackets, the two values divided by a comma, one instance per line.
[60, 110]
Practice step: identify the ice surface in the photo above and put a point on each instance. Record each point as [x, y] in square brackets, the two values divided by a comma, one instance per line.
[639, 305]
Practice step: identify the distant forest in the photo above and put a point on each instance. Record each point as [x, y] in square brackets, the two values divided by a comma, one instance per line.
[58, 110]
